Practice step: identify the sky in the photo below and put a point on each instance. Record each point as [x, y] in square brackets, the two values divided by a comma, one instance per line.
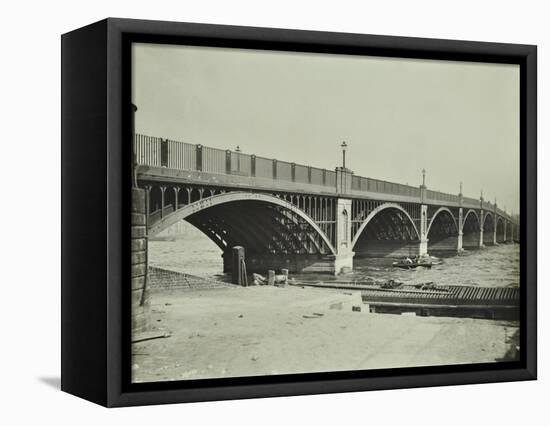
[457, 120]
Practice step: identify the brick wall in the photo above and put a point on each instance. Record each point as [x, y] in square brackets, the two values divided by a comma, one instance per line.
[165, 279]
[140, 294]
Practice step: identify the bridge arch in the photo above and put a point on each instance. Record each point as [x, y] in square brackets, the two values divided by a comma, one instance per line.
[471, 226]
[437, 213]
[387, 230]
[466, 218]
[442, 231]
[259, 221]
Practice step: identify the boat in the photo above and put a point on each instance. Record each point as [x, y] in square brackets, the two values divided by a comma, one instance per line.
[403, 264]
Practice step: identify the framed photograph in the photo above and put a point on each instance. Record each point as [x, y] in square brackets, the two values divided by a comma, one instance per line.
[253, 212]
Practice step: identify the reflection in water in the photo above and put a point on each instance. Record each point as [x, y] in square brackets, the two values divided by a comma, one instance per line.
[195, 254]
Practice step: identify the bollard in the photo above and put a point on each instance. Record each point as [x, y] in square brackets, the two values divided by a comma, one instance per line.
[237, 262]
[285, 273]
[270, 277]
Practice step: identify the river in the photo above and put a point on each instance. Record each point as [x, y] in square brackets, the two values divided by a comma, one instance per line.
[193, 253]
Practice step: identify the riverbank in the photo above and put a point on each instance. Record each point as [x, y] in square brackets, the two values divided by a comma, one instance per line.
[230, 332]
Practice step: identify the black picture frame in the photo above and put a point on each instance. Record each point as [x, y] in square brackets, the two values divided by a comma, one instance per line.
[96, 175]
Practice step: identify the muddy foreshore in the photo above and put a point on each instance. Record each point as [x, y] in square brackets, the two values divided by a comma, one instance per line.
[237, 331]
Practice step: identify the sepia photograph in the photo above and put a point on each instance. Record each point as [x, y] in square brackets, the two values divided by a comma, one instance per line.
[298, 212]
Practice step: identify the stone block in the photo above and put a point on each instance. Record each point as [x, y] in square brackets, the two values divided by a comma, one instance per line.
[138, 270]
[138, 232]
[138, 219]
[138, 244]
[138, 200]
[138, 257]
[138, 282]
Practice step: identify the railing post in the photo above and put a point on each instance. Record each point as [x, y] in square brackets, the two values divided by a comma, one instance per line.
[309, 174]
[253, 165]
[274, 169]
[199, 157]
[293, 171]
[228, 161]
[163, 152]
[324, 177]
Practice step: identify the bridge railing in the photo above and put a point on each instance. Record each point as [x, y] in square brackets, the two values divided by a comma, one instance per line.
[470, 202]
[264, 168]
[442, 196]
[360, 183]
[487, 206]
[147, 150]
[213, 160]
[159, 152]
[181, 156]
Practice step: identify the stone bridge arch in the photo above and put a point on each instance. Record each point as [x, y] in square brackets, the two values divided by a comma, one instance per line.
[387, 231]
[270, 228]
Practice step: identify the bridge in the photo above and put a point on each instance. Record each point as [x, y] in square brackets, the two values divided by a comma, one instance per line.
[301, 217]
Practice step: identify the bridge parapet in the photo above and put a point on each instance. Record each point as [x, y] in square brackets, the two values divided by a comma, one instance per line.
[166, 158]
[442, 197]
[365, 184]
[473, 203]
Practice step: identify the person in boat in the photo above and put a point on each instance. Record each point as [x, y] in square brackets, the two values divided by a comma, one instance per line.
[408, 261]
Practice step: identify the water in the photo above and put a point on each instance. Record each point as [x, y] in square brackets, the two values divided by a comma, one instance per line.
[490, 267]
[193, 253]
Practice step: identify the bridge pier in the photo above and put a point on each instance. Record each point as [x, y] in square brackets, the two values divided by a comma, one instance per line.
[423, 246]
[481, 224]
[459, 246]
[343, 261]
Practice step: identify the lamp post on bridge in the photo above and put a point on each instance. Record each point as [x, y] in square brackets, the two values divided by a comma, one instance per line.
[344, 146]
[238, 151]
[423, 187]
